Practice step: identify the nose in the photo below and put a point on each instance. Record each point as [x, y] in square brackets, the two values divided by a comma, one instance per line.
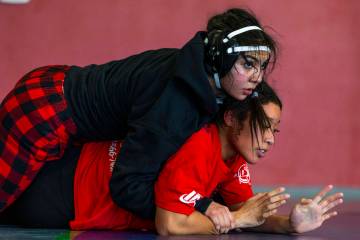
[269, 138]
[269, 142]
[256, 76]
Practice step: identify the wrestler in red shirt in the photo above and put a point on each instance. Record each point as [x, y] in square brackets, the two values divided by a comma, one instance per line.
[204, 173]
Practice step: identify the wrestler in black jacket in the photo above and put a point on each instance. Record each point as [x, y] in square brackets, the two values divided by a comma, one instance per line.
[154, 101]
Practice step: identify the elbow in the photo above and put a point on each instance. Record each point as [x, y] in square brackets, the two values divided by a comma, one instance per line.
[165, 228]
[162, 231]
[167, 224]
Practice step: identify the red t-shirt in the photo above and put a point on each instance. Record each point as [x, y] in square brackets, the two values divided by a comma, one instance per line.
[197, 170]
[94, 208]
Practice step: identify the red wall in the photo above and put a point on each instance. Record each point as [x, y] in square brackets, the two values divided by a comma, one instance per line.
[317, 75]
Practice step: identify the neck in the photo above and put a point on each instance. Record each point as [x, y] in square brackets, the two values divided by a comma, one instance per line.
[227, 150]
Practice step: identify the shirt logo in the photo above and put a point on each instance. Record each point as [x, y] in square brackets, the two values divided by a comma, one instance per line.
[190, 198]
[114, 149]
[243, 174]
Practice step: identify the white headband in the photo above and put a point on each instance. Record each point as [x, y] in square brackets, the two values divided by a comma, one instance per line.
[239, 31]
[247, 49]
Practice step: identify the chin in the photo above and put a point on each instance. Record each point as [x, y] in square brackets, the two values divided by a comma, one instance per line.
[240, 97]
[251, 160]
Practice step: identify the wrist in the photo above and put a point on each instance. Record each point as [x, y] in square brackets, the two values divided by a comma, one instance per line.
[290, 228]
[203, 204]
[240, 220]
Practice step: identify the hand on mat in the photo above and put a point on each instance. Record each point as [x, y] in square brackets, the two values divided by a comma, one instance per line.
[261, 206]
[309, 214]
[221, 217]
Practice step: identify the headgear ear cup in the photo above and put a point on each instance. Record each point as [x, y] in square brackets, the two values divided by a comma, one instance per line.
[216, 62]
[216, 57]
[225, 61]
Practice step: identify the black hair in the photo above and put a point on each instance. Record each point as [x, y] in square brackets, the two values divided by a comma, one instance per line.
[217, 60]
[251, 107]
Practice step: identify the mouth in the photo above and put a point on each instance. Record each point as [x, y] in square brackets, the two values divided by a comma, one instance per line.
[261, 153]
[247, 91]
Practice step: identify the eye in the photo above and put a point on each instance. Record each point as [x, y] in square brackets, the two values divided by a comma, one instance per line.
[273, 129]
[264, 65]
[248, 64]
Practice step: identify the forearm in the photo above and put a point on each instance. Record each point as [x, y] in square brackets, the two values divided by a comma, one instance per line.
[274, 224]
[169, 223]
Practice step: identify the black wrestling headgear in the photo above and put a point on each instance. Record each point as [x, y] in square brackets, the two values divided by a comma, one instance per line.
[222, 51]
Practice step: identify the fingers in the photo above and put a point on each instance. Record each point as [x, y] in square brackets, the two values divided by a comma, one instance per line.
[265, 198]
[305, 201]
[279, 198]
[275, 205]
[276, 191]
[271, 208]
[329, 202]
[226, 221]
[269, 213]
[223, 224]
[216, 222]
[331, 199]
[322, 193]
[329, 215]
[257, 196]
[275, 198]
[221, 217]
[231, 218]
[332, 205]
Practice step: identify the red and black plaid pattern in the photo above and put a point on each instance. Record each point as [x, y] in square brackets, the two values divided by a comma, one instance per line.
[36, 126]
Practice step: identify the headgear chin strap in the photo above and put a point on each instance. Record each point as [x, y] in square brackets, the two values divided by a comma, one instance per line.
[223, 53]
[217, 80]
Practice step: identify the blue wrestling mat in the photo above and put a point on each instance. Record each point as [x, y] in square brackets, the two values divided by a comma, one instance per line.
[344, 226]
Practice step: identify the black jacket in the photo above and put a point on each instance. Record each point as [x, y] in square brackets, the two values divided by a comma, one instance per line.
[154, 101]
